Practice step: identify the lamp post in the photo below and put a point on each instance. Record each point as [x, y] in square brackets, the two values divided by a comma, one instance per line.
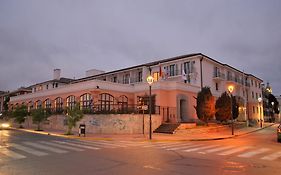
[260, 100]
[272, 105]
[150, 80]
[230, 90]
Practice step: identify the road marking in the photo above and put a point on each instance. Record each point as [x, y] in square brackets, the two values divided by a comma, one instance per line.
[217, 149]
[111, 143]
[11, 154]
[160, 144]
[76, 145]
[28, 150]
[104, 145]
[62, 146]
[253, 153]
[48, 148]
[200, 148]
[178, 145]
[272, 156]
[130, 143]
[183, 147]
[235, 150]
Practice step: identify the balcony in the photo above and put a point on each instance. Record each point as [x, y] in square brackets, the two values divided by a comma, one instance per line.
[218, 76]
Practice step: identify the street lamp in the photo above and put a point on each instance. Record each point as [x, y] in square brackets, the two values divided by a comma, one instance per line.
[260, 100]
[150, 80]
[230, 90]
[272, 105]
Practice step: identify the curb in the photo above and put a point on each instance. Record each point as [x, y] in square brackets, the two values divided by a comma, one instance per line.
[155, 140]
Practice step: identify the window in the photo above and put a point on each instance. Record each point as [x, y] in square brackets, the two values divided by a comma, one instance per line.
[217, 86]
[243, 93]
[123, 103]
[229, 75]
[252, 83]
[253, 109]
[253, 95]
[48, 103]
[56, 85]
[259, 85]
[187, 69]
[115, 79]
[58, 104]
[172, 70]
[70, 101]
[156, 76]
[126, 79]
[140, 76]
[256, 95]
[38, 104]
[85, 101]
[30, 106]
[256, 84]
[106, 102]
[216, 72]
[47, 86]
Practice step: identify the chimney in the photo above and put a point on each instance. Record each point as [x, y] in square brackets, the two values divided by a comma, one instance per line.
[57, 74]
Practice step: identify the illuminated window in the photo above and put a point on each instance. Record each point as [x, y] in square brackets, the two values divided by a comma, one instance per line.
[156, 76]
[58, 104]
[48, 103]
[85, 101]
[70, 101]
[38, 104]
[106, 102]
[123, 103]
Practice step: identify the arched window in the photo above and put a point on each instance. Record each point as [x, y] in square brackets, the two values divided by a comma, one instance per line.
[47, 104]
[30, 106]
[70, 101]
[123, 103]
[38, 104]
[85, 101]
[58, 104]
[106, 102]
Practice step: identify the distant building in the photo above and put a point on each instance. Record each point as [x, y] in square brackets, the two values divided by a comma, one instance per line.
[177, 81]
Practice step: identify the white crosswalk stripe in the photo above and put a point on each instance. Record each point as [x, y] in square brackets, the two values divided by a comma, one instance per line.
[131, 143]
[44, 147]
[159, 144]
[273, 156]
[183, 147]
[217, 149]
[28, 150]
[253, 153]
[94, 143]
[112, 143]
[200, 148]
[76, 145]
[11, 154]
[234, 150]
[62, 146]
[173, 146]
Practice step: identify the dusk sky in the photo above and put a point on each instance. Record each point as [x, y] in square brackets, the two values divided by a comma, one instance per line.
[37, 36]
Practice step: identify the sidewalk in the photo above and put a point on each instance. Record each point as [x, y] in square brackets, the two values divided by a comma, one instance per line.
[197, 134]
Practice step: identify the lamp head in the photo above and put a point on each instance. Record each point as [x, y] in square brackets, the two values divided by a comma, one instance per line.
[150, 80]
[230, 88]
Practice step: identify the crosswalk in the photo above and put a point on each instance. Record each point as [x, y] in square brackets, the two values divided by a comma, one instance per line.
[220, 150]
[40, 148]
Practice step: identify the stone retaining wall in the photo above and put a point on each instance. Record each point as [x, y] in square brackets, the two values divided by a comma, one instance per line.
[103, 123]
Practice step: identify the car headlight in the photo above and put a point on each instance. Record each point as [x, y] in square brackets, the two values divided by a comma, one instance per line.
[5, 125]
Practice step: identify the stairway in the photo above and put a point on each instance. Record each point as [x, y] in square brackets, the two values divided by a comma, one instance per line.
[167, 128]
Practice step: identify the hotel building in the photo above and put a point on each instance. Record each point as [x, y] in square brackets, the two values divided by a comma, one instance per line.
[177, 81]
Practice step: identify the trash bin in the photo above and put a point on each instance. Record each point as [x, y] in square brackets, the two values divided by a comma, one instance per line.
[82, 129]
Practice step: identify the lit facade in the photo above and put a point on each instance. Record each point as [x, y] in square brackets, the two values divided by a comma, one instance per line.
[177, 81]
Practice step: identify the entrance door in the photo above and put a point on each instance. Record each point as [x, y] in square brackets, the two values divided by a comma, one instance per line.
[183, 110]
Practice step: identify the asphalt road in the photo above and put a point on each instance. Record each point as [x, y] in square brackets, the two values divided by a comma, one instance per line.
[23, 153]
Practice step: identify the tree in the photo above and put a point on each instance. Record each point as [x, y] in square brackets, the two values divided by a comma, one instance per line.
[205, 105]
[39, 115]
[235, 108]
[223, 108]
[20, 114]
[73, 116]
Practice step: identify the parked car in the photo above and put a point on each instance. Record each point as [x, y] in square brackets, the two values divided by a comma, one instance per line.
[279, 133]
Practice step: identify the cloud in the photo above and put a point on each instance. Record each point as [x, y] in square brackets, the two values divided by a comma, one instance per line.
[38, 36]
